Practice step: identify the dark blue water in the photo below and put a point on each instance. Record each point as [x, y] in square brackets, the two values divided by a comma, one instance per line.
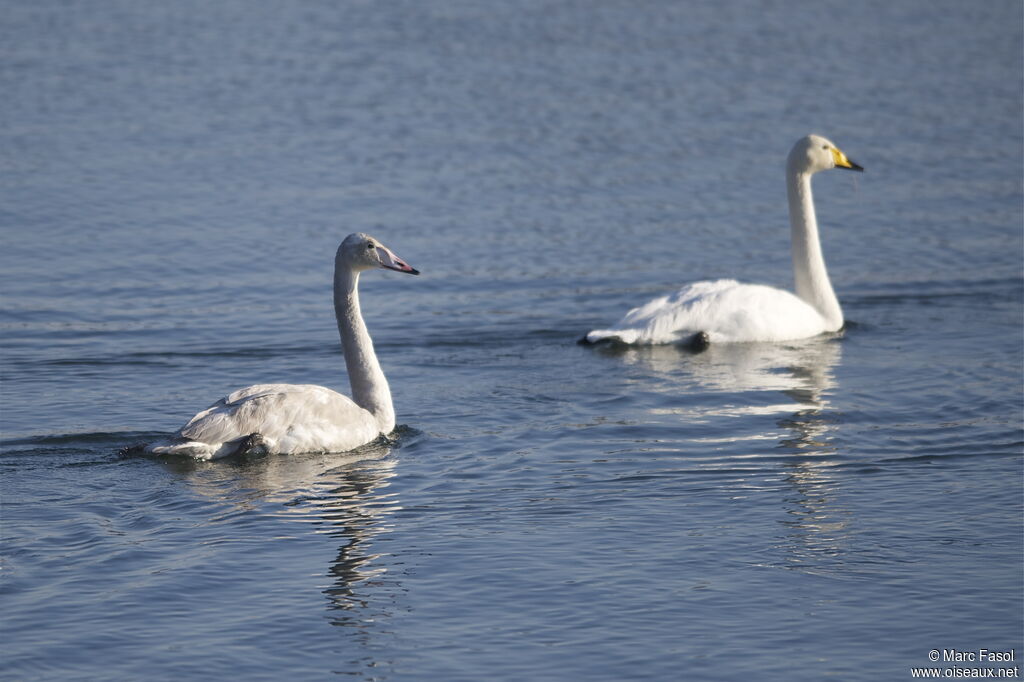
[175, 179]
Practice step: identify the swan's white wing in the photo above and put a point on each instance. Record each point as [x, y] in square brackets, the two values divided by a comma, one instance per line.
[289, 418]
[724, 309]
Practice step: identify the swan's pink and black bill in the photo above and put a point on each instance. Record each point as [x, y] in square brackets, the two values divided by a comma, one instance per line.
[392, 262]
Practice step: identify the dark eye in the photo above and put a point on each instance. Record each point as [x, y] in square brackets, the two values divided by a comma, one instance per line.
[370, 246]
[824, 146]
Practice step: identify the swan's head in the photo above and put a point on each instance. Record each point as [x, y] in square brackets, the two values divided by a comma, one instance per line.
[362, 252]
[814, 153]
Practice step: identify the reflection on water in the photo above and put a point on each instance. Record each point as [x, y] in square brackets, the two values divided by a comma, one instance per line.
[342, 495]
[793, 384]
[791, 381]
[355, 511]
[815, 538]
[802, 367]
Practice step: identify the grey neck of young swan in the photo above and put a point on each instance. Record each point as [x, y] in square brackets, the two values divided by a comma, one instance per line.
[369, 387]
[811, 278]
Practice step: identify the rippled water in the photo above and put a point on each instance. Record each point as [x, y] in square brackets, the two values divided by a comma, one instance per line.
[176, 177]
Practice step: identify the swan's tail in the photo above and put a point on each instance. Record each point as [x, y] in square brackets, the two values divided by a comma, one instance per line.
[253, 444]
[183, 448]
[696, 343]
[625, 337]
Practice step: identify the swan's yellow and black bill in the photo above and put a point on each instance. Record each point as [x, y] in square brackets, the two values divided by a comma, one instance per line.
[389, 260]
[843, 162]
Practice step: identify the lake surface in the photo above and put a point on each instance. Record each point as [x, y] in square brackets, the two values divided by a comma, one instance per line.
[177, 176]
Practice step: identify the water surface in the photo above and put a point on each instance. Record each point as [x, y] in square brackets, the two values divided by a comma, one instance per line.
[176, 177]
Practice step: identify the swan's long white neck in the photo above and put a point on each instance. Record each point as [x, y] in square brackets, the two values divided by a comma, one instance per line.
[812, 283]
[369, 387]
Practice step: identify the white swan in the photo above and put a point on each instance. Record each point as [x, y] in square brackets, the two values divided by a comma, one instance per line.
[726, 311]
[290, 418]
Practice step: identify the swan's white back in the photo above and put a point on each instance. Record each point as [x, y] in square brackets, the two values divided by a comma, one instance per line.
[295, 418]
[289, 418]
[726, 311]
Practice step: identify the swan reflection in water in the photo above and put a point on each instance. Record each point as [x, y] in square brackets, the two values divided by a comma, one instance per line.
[342, 495]
[793, 386]
[355, 511]
[792, 381]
